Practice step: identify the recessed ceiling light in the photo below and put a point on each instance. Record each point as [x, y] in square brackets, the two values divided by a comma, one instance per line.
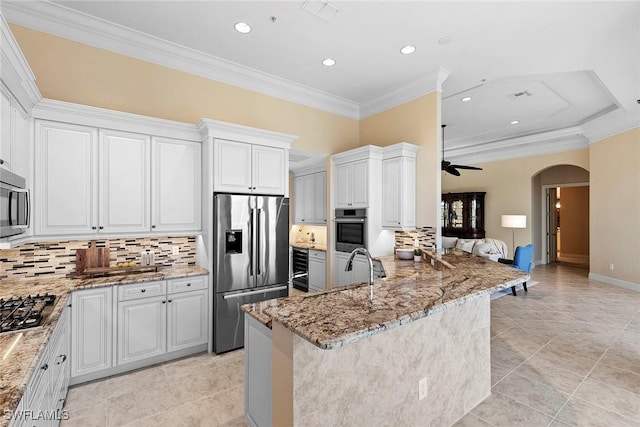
[406, 50]
[515, 122]
[242, 27]
[445, 40]
[466, 99]
[328, 62]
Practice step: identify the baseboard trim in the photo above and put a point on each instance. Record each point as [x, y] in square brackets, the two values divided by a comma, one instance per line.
[616, 282]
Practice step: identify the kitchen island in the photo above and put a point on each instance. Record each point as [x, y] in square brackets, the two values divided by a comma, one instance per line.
[418, 354]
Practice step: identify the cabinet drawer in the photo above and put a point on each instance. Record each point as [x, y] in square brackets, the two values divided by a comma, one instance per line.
[141, 290]
[187, 284]
[317, 254]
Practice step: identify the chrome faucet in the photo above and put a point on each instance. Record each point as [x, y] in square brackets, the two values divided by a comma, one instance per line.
[349, 266]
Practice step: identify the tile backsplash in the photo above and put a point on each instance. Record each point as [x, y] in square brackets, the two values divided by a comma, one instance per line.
[55, 259]
[303, 233]
[426, 238]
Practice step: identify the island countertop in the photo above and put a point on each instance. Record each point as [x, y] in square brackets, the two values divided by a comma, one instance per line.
[412, 290]
[20, 350]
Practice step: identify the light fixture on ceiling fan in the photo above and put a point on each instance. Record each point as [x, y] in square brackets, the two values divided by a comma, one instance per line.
[448, 167]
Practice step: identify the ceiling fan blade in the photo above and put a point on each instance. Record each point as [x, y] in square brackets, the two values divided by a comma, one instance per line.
[452, 170]
[444, 164]
[473, 168]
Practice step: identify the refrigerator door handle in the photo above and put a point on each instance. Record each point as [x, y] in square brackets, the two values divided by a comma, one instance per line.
[251, 234]
[258, 257]
[244, 294]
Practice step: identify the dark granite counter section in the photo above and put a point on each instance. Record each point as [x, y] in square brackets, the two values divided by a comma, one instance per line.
[410, 291]
[314, 246]
[20, 351]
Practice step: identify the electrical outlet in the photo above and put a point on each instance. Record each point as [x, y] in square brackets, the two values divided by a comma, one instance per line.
[422, 388]
[175, 250]
[611, 266]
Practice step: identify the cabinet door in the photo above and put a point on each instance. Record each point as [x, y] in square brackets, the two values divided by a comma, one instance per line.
[308, 199]
[176, 185]
[21, 151]
[391, 191]
[298, 199]
[187, 321]
[124, 182]
[343, 185]
[341, 277]
[360, 184]
[320, 198]
[360, 269]
[141, 328]
[268, 170]
[232, 167]
[91, 330]
[5, 128]
[317, 274]
[66, 178]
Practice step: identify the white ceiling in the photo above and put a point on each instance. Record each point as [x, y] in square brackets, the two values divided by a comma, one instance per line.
[580, 61]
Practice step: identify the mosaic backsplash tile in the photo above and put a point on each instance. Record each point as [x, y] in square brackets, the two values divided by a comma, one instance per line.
[426, 238]
[52, 259]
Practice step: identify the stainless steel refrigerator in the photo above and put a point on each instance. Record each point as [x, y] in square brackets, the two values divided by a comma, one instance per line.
[251, 260]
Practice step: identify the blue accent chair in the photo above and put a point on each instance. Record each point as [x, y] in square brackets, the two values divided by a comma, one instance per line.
[522, 259]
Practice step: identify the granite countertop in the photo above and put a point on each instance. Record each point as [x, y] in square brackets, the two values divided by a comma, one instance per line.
[306, 245]
[20, 350]
[409, 292]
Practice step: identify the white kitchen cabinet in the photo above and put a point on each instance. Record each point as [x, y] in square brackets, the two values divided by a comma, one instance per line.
[142, 328]
[359, 272]
[309, 198]
[399, 187]
[176, 185]
[124, 182]
[187, 319]
[249, 168]
[91, 330]
[257, 373]
[352, 184]
[6, 145]
[66, 178]
[317, 270]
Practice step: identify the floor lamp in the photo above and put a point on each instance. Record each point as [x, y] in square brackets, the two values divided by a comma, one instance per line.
[513, 222]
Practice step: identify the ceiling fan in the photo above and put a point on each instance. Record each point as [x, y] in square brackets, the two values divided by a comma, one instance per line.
[448, 167]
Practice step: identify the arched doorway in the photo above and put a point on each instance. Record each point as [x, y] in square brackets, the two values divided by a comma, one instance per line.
[561, 192]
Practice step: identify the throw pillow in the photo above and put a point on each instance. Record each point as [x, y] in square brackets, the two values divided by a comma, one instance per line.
[465, 245]
[449, 242]
[482, 249]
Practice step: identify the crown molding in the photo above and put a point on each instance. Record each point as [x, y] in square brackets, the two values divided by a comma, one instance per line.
[224, 130]
[408, 92]
[49, 109]
[74, 25]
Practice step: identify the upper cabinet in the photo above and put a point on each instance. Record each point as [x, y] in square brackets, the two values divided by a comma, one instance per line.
[91, 180]
[353, 184]
[310, 195]
[248, 168]
[463, 215]
[399, 186]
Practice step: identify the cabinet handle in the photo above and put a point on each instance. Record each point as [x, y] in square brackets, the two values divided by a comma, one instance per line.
[1, 162]
[248, 188]
[153, 226]
[94, 227]
[188, 284]
[101, 227]
[143, 290]
[164, 302]
[64, 357]
[170, 300]
[64, 402]
[44, 367]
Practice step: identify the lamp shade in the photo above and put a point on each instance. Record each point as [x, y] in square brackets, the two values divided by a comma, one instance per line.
[514, 221]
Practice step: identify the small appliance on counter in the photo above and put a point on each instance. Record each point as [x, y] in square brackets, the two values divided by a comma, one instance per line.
[250, 260]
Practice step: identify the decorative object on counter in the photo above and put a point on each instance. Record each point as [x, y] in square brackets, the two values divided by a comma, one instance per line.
[417, 255]
[93, 257]
[404, 253]
[513, 222]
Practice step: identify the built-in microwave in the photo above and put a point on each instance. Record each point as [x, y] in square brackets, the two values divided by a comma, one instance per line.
[351, 229]
[14, 204]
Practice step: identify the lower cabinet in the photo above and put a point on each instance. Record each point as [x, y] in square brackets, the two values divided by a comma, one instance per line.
[317, 270]
[257, 373]
[359, 272]
[125, 327]
[45, 396]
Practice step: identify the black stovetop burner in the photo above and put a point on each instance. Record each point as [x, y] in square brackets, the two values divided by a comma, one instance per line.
[25, 312]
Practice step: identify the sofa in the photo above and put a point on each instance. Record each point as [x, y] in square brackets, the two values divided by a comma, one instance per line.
[488, 248]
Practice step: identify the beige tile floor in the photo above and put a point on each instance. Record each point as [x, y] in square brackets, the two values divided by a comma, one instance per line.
[567, 353]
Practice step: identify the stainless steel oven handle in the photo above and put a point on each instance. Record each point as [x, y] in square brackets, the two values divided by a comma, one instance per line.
[244, 294]
[351, 219]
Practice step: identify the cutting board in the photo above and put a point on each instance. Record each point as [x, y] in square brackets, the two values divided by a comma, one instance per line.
[93, 257]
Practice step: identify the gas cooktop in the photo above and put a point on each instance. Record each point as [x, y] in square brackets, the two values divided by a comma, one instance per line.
[25, 312]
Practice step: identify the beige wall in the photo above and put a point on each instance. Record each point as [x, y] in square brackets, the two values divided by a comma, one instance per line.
[615, 206]
[417, 122]
[574, 220]
[69, 71]
[508, 184]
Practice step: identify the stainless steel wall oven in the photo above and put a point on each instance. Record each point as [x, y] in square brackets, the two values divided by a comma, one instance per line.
[351, 229]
